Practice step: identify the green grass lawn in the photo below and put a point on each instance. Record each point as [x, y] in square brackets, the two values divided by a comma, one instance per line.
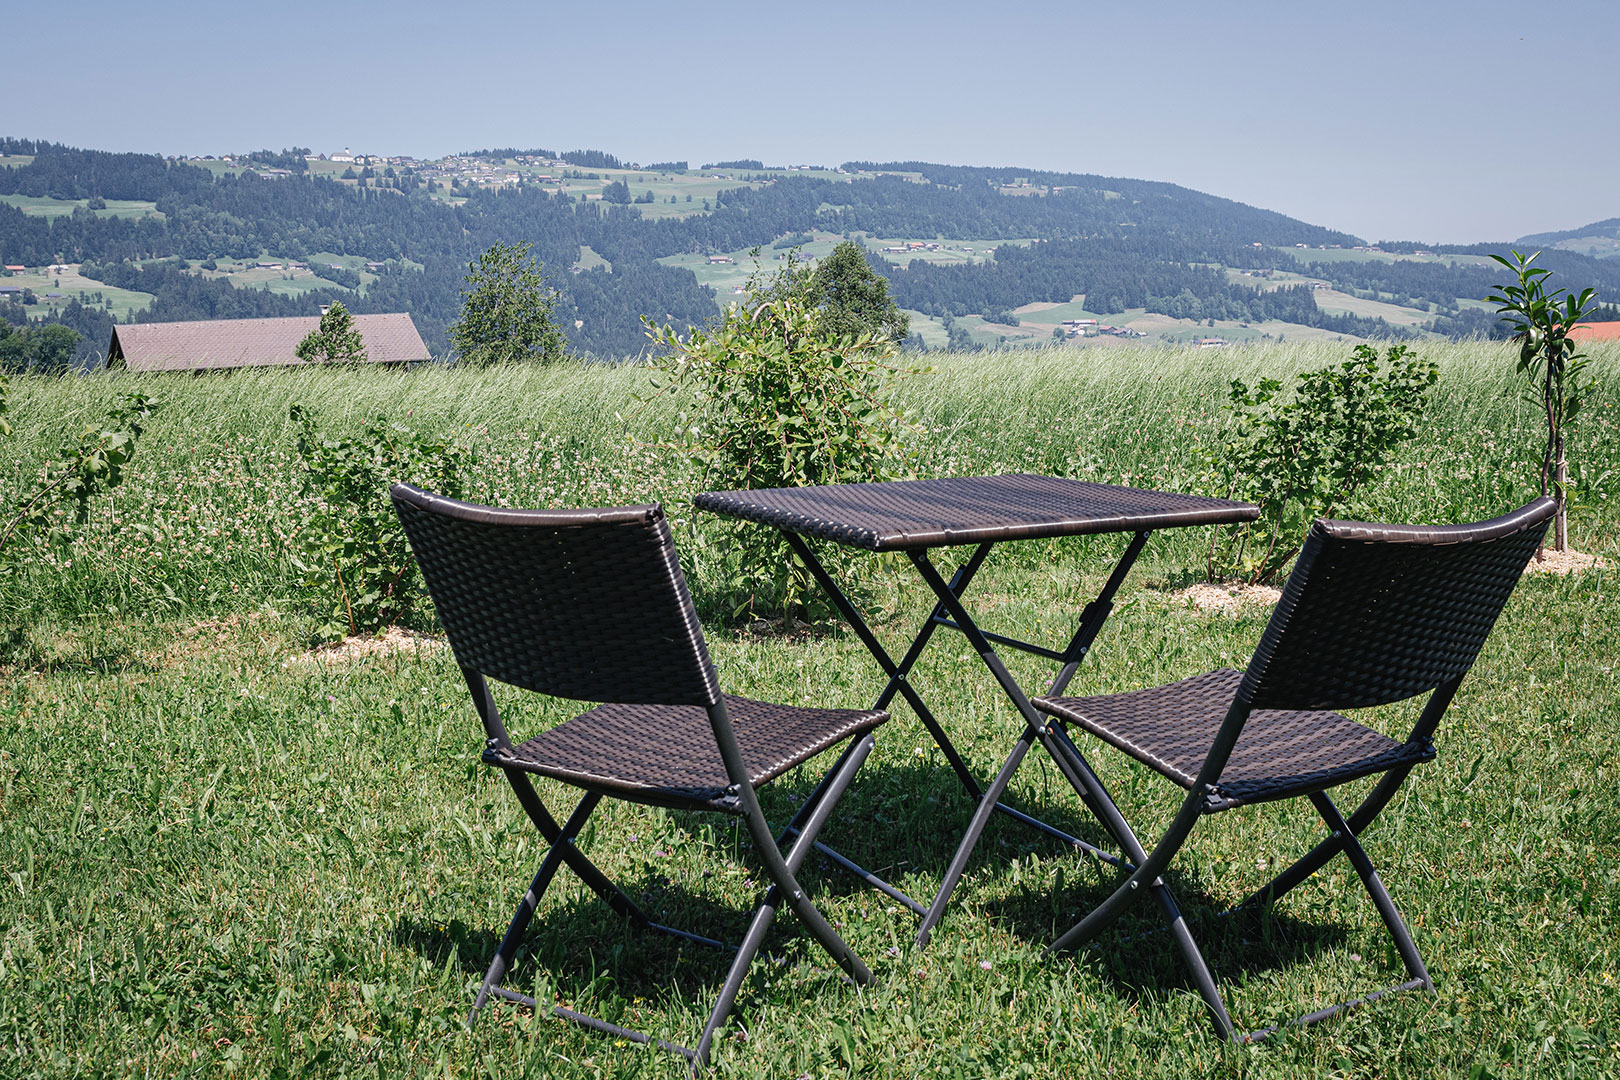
[222, 856]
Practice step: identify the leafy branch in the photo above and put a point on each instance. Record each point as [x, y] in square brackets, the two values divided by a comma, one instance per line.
[92, 465]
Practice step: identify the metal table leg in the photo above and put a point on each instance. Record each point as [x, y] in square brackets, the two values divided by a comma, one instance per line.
[1035, 726]
[948, 611]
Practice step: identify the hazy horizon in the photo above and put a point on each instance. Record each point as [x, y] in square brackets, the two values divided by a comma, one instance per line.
[1389, 121]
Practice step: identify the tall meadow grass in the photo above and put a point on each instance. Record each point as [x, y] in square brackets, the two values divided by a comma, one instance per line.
[213, 505]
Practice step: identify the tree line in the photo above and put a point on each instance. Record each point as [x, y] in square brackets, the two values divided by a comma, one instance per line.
[1114, 275]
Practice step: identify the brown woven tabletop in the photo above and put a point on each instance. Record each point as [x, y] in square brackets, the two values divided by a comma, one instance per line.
[907, 514]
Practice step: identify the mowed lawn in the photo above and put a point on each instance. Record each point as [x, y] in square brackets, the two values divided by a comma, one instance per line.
[224, 855]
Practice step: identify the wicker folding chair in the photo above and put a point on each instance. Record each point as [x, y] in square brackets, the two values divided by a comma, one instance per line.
[1372, 614]
[592, 605]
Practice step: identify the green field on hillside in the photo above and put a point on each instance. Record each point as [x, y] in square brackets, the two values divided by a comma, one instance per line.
[282, 282]
[700, 185]
[727, 278]
[46, 207]
[1331, 255]
[224, 854]
[947, 253]
[71, 285]
[1335, 302]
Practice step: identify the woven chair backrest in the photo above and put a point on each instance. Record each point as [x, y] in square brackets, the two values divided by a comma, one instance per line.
[1374, 614]
[583, 604]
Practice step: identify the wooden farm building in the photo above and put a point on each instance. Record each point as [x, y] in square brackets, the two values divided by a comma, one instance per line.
[215, 344]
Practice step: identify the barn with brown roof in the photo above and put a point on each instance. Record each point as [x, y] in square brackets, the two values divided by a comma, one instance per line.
[215, 344]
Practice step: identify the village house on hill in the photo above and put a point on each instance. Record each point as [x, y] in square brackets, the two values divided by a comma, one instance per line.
[221, 344]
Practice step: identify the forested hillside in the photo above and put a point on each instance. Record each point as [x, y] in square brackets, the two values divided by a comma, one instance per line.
[1121, 244]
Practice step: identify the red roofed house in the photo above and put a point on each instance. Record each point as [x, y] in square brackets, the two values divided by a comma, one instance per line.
[215, 344]
[1596, 331]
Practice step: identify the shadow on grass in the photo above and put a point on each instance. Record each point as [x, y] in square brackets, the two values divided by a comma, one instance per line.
[1137, 954]
[583, 955]
[899, 822]
[67, 652]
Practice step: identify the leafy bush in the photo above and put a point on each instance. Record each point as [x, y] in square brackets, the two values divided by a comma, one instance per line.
[358, 572]
[1314, 454]
[780, 400]
[87, 467]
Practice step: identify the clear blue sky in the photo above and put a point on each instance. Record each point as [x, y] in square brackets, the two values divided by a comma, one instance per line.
[1425, 119]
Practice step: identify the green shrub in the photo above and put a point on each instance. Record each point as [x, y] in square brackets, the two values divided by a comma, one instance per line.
[1315, 454]
[778, 399]
[84, 468]
[358, 572]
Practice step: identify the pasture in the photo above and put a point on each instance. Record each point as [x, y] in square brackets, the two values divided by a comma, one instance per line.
[47, 207]
[72, 285]
[224, 854]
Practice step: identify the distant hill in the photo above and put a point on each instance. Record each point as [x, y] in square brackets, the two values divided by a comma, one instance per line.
[977, 255]
[1601, 239]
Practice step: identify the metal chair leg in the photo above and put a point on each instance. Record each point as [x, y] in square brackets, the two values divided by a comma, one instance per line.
[1323, 853]
[531, 901]
[1193, 957]
[970, 839]
[782, 886]
[1375, 888]
[595, 880]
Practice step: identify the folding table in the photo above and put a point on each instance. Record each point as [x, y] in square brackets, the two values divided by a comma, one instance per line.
[914, 516]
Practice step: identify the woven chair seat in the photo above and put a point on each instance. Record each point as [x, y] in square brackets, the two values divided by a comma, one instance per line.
[1281, 752]
[666, 754]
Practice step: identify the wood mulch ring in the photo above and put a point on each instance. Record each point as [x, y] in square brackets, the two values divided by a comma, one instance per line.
[1228, 597]
[367, 647]
[1565, 562]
